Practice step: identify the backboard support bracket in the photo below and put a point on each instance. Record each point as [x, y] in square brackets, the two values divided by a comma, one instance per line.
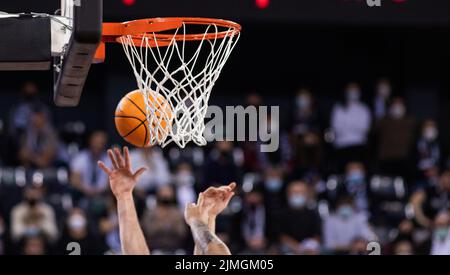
[72, 66]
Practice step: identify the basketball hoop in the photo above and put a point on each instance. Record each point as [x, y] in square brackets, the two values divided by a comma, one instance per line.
[179, 59]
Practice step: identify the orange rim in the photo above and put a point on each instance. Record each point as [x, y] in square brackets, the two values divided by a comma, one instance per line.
[138, 29]
[150, 28]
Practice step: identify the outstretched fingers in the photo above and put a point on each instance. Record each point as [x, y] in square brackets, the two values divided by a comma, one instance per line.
[113, 159]
[119, 158]
[126, 154]
[139, 172]
[104, 167]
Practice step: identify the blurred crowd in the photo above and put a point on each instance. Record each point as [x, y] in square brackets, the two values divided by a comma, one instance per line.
[363, 171]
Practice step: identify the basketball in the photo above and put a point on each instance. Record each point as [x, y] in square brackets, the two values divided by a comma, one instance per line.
[132, 122]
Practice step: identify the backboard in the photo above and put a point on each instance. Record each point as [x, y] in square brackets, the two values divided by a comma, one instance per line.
[67, 40]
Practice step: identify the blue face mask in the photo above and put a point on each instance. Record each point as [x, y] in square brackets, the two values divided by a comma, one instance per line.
[441, 233]
[355, 176]
[345, 211]
[303, 102]
[297, 201]
[273, 184]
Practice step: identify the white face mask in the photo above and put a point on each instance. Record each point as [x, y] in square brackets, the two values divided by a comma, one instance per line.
[77, 222]
[430, 133]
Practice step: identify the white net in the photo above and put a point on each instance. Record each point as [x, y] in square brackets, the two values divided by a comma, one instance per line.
[182, 73]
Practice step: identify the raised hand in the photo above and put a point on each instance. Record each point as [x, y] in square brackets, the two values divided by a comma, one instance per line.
[217, 198]
[206, 241]
[121, 178]
[197, 212]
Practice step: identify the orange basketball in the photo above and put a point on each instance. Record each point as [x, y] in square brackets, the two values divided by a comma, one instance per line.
[131, 118]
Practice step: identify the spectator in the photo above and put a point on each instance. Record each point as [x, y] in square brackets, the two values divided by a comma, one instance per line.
[356, 185]
[441, 238]
[220, 167]
[429, 201]
[33, 216]
[86, 177]
[345, 225]
[20, 115]
[383, 92]
[184, 181]
[76, 229]
[395, 138]
[158, 170]
[164, 225]
[428, 148]
[39, 141]
[350, 122]
[300, 224]
[273, 185]
[250, 224]
[304, 118]
[305, 133]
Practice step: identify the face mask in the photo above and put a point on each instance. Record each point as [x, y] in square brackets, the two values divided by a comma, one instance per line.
[430, 134]
[184, 178]
[397, 111]
[77, 222]
[355, 176]
[303, 102]
[353, 95]
[31, 231]
[297, 201]
[441, 233]
[273, 184]
[345, 212]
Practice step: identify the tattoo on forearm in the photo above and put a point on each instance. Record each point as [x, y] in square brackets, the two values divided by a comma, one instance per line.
[202, 235]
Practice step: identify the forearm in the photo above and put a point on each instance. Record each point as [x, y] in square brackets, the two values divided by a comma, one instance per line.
[212, 229]
[131, 235]
[207, 243]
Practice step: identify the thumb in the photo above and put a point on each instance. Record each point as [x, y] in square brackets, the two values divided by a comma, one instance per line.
[139, 172]
[232, 186]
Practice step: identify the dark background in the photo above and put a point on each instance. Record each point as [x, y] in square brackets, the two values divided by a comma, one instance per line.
[405, 12]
